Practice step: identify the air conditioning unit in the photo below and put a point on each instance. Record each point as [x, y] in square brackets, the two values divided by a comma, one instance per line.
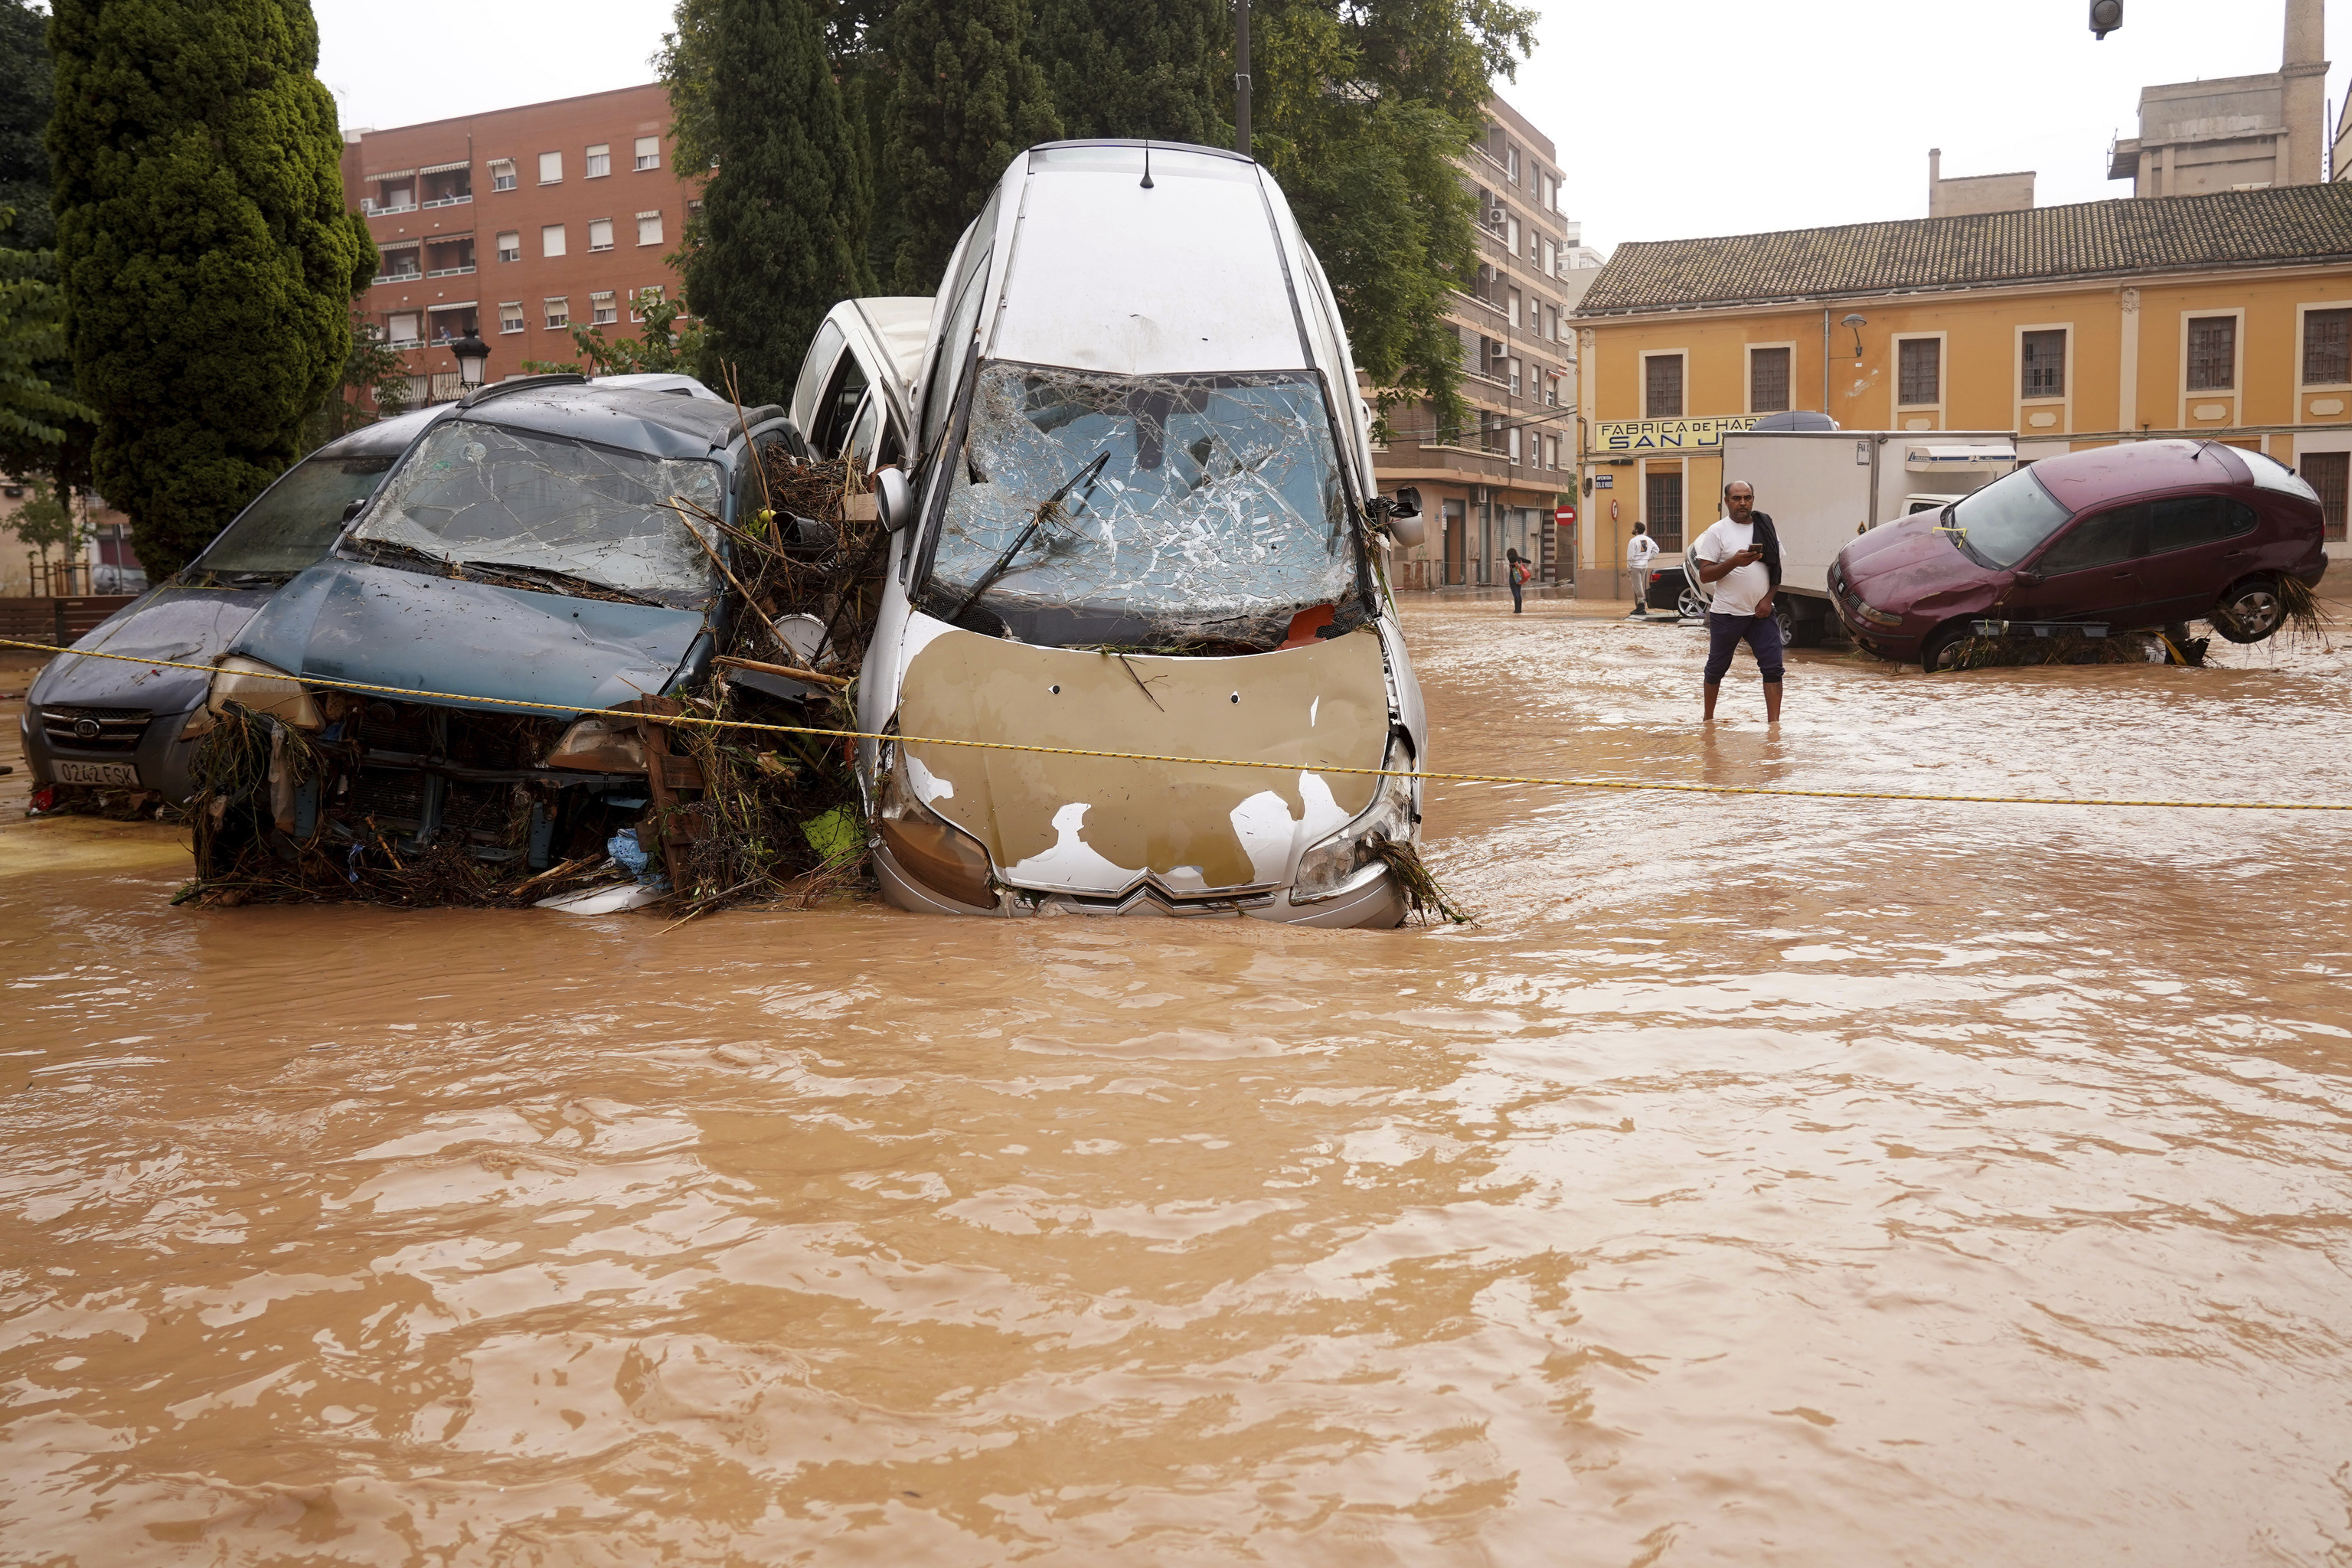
[1495, 216]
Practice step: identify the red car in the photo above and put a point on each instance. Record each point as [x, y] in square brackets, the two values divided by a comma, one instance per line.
[2147, 533]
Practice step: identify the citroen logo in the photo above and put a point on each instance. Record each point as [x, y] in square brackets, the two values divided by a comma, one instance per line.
[86, 729]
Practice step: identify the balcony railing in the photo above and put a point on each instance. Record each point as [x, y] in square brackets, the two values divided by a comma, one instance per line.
[408, 276]
[386, 212]
[451, 271]
[450, 201]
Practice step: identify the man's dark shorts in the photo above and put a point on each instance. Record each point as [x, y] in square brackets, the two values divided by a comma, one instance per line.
[1724, 633]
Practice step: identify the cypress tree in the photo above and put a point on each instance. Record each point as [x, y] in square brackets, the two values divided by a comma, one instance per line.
[966, 98]
[1155, 69]
[207, 259]
[782, 237]
[25, 96]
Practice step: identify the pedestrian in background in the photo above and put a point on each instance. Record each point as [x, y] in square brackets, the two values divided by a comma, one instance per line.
[1520, 571]
[1640, 551]
[1742, 559]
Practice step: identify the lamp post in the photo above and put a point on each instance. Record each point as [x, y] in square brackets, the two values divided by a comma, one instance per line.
[473, 360]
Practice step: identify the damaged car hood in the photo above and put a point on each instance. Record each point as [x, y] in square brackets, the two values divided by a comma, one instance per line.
[1102, 825]
[347, 620]
[183, 624]
[1915, 565]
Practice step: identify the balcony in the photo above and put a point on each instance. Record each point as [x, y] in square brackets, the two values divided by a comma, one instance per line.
[450, 201]
[409, 276]
[451, 271]
[375, 209]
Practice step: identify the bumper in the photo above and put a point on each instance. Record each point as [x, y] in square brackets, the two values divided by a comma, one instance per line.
[1374, 901]
[161, 758]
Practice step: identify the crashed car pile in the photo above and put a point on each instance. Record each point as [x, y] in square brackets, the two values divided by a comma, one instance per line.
[487, 660]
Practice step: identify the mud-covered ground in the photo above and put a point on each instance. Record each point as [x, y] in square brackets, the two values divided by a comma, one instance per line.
[1758, 1181]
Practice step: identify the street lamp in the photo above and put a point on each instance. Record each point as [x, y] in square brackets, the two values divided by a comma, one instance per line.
[473, 360]
[1856, 324]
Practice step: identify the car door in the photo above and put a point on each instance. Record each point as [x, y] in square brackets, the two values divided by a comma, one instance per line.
[2090, 571]
[2198, 545]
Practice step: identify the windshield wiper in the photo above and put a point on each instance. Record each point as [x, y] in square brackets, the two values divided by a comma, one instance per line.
[405, 554]
[1050, 507]
[566, 583]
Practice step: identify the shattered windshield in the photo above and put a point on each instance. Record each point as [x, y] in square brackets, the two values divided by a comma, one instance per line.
[1151, 509]
[543, 511]
[2000, 524]
[294, 521]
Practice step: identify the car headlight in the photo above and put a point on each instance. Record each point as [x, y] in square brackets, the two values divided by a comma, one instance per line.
[264, 689]
[1875, 617]
[1328, 866]
[927, 845]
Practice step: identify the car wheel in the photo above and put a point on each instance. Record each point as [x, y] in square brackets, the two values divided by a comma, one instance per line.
[1690, 607]
[1941, 649]
[1784, 615]
[2250, 612]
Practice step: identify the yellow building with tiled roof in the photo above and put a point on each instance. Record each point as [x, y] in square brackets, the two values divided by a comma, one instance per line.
[2228, 316]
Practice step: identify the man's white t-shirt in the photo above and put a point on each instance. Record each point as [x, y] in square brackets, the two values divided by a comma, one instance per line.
[1737, 592]
[1638, 551]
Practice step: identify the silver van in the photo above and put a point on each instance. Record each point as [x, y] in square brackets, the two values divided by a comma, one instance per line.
[1136, 517]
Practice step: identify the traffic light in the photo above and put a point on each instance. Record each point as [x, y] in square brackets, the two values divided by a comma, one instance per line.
[2106, 15]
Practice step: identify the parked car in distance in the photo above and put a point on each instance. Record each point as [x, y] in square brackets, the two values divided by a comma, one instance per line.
[101, 723]
[2146, 534]
[1670, 588]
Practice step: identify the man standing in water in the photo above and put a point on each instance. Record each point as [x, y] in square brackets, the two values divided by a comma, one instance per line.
[1640, 551]
[1730, 556]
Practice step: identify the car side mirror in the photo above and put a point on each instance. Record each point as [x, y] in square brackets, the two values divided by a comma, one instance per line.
[2028, 578]
[354, 508]
[1408, 501]
[892, 502]
[1406, 529]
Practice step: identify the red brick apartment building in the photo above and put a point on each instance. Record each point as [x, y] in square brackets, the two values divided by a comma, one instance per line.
[519, 224]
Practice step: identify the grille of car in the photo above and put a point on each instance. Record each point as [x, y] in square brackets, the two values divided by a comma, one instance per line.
[380, 727]
[388, 794]
[95, 729]
[477, 808]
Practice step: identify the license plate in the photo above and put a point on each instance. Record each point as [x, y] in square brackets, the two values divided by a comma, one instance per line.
[98, 773]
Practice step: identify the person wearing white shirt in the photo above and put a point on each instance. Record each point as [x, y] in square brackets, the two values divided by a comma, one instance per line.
[1640, 551]
[1730, 556]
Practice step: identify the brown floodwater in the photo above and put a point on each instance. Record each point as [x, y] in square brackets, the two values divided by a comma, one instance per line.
[1758, 1181]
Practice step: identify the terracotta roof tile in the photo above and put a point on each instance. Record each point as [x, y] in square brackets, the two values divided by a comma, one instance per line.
[2091, 240]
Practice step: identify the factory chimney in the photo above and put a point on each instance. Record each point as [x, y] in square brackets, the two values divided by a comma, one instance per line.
[2305, 68]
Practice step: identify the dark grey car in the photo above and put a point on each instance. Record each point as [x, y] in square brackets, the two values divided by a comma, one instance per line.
[107, 725]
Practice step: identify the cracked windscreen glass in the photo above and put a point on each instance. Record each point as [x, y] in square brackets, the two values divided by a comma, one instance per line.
[291, 525]
[2000, 523]
[540, 511]
[1148, 511]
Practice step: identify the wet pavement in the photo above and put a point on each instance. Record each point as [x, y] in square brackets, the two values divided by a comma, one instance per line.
[1759, 1181]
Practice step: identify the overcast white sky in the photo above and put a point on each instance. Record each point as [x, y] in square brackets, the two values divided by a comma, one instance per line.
[1673, 118]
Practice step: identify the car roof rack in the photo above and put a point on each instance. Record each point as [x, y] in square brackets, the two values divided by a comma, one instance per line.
[481, 395]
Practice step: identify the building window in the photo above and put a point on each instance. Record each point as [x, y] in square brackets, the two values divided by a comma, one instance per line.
[649, 230]
[2212, 354]
[1511, 164]
[2329, 473]
[1514, 378]
[502, 175]
[1544, 189]
[2327, 349]
[1511, 304]
[1664, 511]
[1510, 233]
[550, 240]
[1514, 438]
[600, 234]
[600, 161]
[1551, 452]
[648, 151]
[551, 168]
[602, 311]
[1919, 374]
[1550, 258]
[2045, 364]
[558, 312]
[510, 316]
[401, 330]
[1662, 389]
[1768, 381]
[640, 300]
[510, 246]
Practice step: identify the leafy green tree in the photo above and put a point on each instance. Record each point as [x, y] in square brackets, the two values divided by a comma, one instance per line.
[207, 259]
[661, 349]
[782, 237]
[33, 410]
[1155, 69]
[24, 95]
[374, 386]
[965, 95]
[47, 522]
[1361, 109]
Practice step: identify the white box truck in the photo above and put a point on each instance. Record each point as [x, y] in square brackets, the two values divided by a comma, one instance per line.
[1821, 487]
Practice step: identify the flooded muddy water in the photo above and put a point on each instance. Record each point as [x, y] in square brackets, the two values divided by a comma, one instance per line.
[1759, 1181]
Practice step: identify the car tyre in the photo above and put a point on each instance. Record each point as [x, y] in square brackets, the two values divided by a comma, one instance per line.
[1784, 615]
[1938, 649]
[2250, 612]
[1690, 607]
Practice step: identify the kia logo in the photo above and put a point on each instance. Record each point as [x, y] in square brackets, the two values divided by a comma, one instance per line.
[86, 729]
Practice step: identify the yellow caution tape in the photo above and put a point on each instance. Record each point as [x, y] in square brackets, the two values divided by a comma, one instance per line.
[685, 719]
